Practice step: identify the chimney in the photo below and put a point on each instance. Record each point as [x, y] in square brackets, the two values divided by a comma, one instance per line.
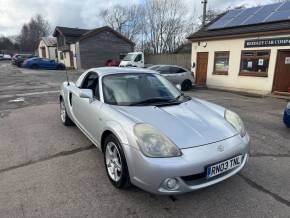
[204, 12]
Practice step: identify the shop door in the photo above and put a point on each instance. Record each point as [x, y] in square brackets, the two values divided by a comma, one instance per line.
[282, 72]
[201, 68]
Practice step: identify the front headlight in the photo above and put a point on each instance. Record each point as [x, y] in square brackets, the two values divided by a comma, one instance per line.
[235, 121]
[152, 143]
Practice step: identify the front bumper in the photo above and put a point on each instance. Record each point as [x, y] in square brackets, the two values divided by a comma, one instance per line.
[189, 170]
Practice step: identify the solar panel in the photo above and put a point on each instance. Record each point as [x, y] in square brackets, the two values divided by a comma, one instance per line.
[256, 15]
[262, 14]
[279, 15]
[220, 23]
[285, 7]
[242, 17]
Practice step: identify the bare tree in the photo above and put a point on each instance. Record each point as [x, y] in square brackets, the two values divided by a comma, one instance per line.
[165, 22]
[31, 33]
[126, 20]
[158, 26]
[7, 44]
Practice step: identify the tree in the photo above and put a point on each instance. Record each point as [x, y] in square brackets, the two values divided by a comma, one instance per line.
[157, 26]
[166, 24]
[7, 44]
[31, 33]
[125, 20]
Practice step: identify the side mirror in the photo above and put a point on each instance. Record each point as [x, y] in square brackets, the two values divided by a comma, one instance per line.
[193, 65]
[86, 93]
[178, 86]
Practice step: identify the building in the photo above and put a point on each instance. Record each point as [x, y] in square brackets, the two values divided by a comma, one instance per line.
[47, 48]
[245, 50]
[83, 49]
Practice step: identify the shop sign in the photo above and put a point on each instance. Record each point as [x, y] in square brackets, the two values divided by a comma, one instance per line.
[268, 42]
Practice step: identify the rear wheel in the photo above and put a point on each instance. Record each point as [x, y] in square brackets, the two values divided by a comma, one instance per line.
[186, 85]
[63, 115]
[115, 163]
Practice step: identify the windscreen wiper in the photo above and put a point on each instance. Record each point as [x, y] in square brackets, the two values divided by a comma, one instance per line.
[150, 101]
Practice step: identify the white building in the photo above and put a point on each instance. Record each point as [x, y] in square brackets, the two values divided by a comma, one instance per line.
[245, 50]
[47, 48]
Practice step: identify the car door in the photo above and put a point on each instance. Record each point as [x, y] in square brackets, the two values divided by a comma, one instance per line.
[87, 111]
[42, 63]
[138, 62]
[178, 75]
[165, 71]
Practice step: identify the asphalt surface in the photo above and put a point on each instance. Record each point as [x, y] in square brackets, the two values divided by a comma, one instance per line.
[48, 170]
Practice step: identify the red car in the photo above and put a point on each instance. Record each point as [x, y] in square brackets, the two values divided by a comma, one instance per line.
[112, 63]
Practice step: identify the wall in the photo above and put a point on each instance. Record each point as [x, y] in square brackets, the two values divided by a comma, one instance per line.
[42, 44]
[50, 51]
[182, 60]
[232, 81]
[96, 50]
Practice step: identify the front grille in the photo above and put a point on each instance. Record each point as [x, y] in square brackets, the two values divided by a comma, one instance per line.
[194, 177]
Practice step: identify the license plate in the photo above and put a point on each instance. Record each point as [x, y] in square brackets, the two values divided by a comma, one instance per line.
[224, 166]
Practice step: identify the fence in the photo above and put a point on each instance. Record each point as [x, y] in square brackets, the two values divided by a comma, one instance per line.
[183, 60]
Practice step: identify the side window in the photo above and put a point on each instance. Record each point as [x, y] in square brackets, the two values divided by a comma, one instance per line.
[92, 82]
[164, 70]
[138, 58]
[175, 70]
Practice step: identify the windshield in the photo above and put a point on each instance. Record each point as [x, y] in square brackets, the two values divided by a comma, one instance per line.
[128, 57]
[139, 89]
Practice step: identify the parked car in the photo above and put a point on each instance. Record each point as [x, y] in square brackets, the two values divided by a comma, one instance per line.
[286, 117]
[133, 59]
[4, 57]
[112, 63]
[18, 59]
[151, 134]
[36, 63]
[176, 75]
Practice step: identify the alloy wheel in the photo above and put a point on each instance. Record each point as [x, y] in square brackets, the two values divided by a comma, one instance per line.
[113, 161]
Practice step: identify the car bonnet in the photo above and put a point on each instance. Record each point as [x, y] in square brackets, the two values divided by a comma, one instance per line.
[189, 124]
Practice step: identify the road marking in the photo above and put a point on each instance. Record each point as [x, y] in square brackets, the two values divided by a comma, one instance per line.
[21, 99]
[28, 94]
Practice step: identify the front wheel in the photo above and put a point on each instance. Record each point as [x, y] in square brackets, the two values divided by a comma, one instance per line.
[115, 163]
[63, 115]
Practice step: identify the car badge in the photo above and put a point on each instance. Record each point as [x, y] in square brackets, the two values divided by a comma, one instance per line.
[220, 148]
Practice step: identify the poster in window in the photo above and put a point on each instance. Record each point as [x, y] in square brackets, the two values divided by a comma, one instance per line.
[261, 62]
[250, 64]
[287, 60]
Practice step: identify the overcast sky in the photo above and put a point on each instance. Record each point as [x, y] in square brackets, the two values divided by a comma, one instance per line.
[81, 13]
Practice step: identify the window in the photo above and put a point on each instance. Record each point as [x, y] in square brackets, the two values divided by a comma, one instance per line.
[175, 70]
[163, 70]
[92, 82]
[137, 89]
[255, 63]
[221, 62]
[138, 58]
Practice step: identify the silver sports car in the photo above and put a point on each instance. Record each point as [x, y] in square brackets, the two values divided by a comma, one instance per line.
[151, 134]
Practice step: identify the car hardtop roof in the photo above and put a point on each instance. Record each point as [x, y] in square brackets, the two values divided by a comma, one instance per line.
[167, 65]
[102, 71]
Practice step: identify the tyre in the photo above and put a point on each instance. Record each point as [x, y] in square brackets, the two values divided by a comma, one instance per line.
[34, 66]
[63, 115]
[115, 163]
[59, 67]
[186, 85]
